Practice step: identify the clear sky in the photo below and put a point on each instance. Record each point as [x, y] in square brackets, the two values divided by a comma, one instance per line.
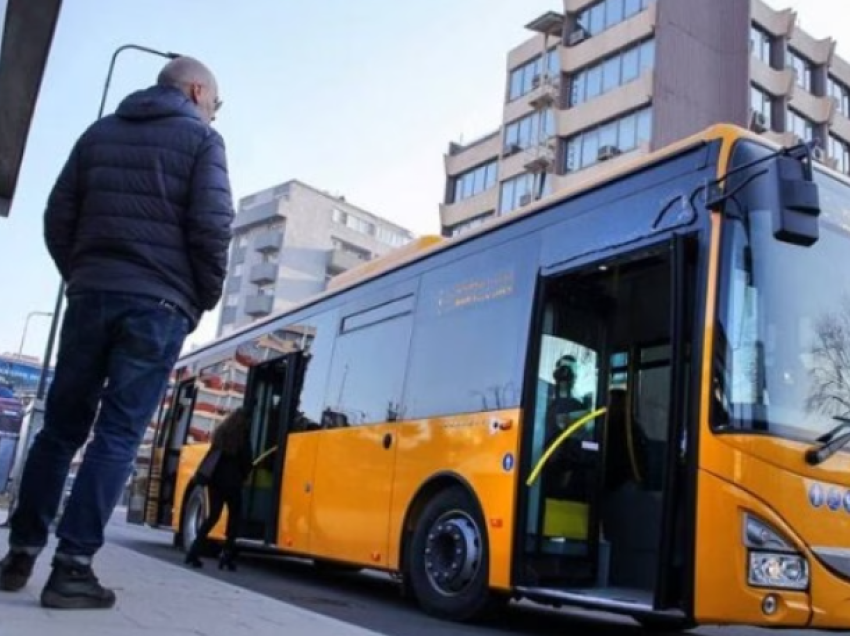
[358, 98]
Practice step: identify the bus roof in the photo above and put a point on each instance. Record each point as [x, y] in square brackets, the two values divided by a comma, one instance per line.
[426, 245]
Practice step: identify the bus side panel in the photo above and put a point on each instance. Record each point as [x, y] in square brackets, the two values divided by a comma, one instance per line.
[480, 447]
[352, 485]
[296, 493]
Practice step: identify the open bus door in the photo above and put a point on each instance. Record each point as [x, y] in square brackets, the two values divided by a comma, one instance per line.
[165, 458]
[271, 398]
[603, 484]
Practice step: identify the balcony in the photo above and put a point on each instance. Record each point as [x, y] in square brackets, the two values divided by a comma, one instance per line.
[264, 273]
[342, 260]
[257, 306]
[460, 211]
[269, 241]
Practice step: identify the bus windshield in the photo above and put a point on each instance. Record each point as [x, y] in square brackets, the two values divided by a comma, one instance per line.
[782, 349]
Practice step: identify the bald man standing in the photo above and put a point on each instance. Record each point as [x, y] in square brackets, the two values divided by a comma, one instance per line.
[138, 224]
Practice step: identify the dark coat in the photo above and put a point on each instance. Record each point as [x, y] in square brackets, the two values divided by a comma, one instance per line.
[143, 205]
[232, 470]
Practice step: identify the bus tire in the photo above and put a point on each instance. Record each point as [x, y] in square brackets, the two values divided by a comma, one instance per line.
[192, 514]
[448, 562]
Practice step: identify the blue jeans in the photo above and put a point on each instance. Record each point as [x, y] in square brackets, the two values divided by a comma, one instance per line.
[115, 355]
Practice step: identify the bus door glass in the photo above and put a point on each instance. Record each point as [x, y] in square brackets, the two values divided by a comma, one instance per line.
[140, 482]
[600, 438]
[166, 456]
[270, 388]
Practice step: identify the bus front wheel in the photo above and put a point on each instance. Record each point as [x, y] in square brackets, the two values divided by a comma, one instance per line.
[448, 561]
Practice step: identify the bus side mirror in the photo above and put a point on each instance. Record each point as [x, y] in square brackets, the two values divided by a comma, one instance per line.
[795, 217]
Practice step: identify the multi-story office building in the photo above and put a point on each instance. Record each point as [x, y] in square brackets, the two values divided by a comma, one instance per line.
[289, 241]
[606, 80]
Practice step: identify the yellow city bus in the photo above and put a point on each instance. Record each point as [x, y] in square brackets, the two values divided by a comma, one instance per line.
[631, 397]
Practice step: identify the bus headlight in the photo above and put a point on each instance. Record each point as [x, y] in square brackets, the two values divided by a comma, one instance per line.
[773, 561]
[781, 571]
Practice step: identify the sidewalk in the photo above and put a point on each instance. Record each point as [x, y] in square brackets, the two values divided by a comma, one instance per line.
[163, 599]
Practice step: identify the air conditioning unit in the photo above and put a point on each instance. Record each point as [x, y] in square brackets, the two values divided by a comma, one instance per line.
[607, 152]
[577, 36]
[511, 149]
[525, 199]
[758, 122]
[818, 154]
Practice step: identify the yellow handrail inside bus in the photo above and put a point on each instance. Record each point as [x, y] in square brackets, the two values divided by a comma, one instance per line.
[560, 440]
[259, 459]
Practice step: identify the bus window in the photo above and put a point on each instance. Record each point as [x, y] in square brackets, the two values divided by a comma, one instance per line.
[466, 355]
[367, 373]
[317, 360]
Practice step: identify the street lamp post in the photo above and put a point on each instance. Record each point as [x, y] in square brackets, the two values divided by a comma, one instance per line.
[26, 326]
[36, 419]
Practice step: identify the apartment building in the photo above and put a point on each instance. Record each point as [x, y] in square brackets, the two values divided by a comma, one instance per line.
[606, 80]
[289, 241]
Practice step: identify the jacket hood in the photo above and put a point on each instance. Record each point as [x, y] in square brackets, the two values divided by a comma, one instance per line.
[156, 102]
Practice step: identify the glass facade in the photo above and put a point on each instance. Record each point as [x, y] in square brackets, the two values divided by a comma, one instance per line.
[474, 182]
[522, 79]
[608, 13]
[622, 68]
[624, 134]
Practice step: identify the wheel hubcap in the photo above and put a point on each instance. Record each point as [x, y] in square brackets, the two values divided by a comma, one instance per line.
[453, 552]
[194, 519]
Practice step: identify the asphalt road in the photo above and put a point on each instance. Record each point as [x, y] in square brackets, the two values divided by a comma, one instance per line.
[373, 601]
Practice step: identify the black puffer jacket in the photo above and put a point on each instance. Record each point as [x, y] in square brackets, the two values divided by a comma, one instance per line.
[143, 205]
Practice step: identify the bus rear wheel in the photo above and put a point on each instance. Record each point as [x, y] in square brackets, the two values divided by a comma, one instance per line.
[448, 563]
[194, 512]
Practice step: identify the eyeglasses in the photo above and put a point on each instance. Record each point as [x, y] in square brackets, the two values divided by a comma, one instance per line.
[217, 104]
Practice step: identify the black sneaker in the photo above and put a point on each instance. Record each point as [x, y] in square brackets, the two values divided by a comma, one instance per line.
[73, 586]
[15, 570]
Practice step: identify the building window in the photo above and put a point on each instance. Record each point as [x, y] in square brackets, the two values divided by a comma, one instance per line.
[840, 151]
[802, 69]
[267, 289]
[237, 270]
[390, 237]
[615, 137]
[760, 43]
[622, 68]
[799, 125]
[530, 130]
[841, 94]
[522, 190]
[232, 300]
[228, 316]
[762, 103]
[526, 78]
[609, 13]
[465, 226]
[475, 181]
[242, 241]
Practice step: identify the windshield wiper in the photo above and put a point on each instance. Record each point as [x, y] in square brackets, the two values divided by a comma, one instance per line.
[830, 443]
